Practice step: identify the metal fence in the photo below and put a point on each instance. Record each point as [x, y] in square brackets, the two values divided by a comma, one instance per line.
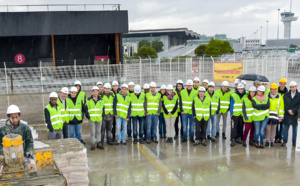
[140, 71]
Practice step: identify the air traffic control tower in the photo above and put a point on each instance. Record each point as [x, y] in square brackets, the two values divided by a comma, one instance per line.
[287, 18]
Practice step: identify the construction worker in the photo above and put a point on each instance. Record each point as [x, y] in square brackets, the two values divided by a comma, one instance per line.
[93, 111]
[53, 118]
[14, 125]
[256, 83]
[236, 113]
[236, 83]
[281, 91]
[108, 118]
[170, 105]
[224, 94]
[129, 123]
[81, 94]
[122, 111]
[261, 105]
[205, 84]
[201, 112]
[138, 107]
[100, 86]
[276, 114]
[210, 93]
[62, 103]
[247, 116]
[187, 96]
[146, 88]
[266, 84]
[291, 106]
[115, 90]
[76, 108]
[179, 87]
[161, 120]
[196, 83]
[153, 109]
[131, 87]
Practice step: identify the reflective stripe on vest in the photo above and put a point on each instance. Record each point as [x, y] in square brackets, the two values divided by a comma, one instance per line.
[55, 117]
[249, 109]
[187, 100]
[108, 104]
[137, 105]
[75, 110]
[202, 109]
[64, 111]
[259, 115]
[170, 105]
[95, 110]
[238, 104]
[224, 100]
[214, 102]
[153, 102]
[122, 105]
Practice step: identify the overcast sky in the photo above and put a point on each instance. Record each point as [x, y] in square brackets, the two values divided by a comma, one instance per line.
[235, 18]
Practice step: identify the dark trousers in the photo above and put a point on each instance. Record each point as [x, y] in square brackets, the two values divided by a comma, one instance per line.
[279, 131]
[177, 123]
[66, 131]
[114, 129]
[106, 126]
[200, 129]
[129, 124]
[237, 125]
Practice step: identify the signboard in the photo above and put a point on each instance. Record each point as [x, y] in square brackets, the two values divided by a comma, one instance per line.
[101, 58]
[298, 138]
[20, 59]
[227, 71]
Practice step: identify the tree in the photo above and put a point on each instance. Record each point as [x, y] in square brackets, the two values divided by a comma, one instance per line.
[217, 47]
[293, 46]
[144, 42]
[157, 45]
[200, 50]
[146, 51]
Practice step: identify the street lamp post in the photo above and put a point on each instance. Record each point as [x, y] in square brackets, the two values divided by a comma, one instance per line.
[277, 30]
[267, 31]
[261, 35]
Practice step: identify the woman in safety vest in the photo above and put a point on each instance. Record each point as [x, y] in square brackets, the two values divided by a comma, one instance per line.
[161, 120]
[179, 87]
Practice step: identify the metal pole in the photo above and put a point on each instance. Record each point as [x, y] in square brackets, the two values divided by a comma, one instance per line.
[261, 35]
[277, 31]
[267, 31]
[6, 78]
[42, 76]
[170, 70]
[186, 68]
[150, 68]
[140, 70]
[75, 68]
[178, 67]
[108, 71]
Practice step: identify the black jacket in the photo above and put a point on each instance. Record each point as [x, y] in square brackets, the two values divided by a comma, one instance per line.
[291, 104]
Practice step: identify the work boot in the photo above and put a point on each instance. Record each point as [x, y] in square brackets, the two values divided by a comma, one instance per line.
[252, 143]
[223, 135]
[272, 144]
[204, 143]
[278, 141]
[262, 145]
[135, 141]
[183, 140]
[118, 143]
[93, 147]
[294, 144]
[100, 145]
[164, 136]
[197, 142]
[214, 140]
[129, 138]
[155, 141]
[176, 136]
[232, 143]
[208, 137]
[217, 135]
[283, 144]
[81, 141]
[171, 140]
[256, 144]
[239, 141]
[148, 141]
[192, 140]
[124, 142]
[109, 142]
[244, 144]
[267, 144]
[167, 140]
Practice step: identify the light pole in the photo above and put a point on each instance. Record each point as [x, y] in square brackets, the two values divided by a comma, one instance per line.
[267, 31]
[277, 30]
[151, 40]
[261, 35]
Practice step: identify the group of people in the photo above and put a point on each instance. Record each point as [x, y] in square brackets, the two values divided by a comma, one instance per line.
[126, 113]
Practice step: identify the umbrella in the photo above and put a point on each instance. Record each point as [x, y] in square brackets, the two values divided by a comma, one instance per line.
[253, 77]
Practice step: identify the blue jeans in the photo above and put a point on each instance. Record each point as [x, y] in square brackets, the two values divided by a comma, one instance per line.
[185, 122]
[75, 129]
[66, 131]
[286, 132]
[129, 127]
[213, 121]
[260, 128]
[121, 124]
[141, 127]
[162, 125]
[151, 122]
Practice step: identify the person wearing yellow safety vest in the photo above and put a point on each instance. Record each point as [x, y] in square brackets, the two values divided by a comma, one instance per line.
[138, 107]
[261, 105]
[146, 88]
[266, 84]
[245, 83]
[205, 84]
[196, 83]
[224, 94]
[170, 105]
[281, 91]
[188, 122]
[53, 118]
[100, 86]
[201, 110]
[178, 89]
[161, 120]
[129, 123]
[210, 93]
[247, 116]
[94, 112]
[122, 112]
[62, 102]
[276, 114]
[236, 83]
[108, 117]
[153, 109]
[76, 109]
[291, 106]
[236, 112]
[115, 90]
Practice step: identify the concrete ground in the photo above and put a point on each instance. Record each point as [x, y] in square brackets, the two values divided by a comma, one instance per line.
[177, 163]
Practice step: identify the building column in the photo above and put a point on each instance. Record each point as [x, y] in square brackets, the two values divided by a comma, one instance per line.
[117, 46]
[53, 49]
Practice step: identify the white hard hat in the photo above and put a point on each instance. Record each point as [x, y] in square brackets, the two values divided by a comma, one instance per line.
[225, 83]
[107, 85]
[115, 83]
[12, 109]
[205, 81]
[293, 83]
[241, 85]
[252, 88]
[236, 81]
[99, 83]
[201, 89]
[77, 83]
[152, 84]
[95, 88]
[261, 88]
[243, 81]
[146, 86]
[65, 90]
[124, 86]
[196, 79]
[189, 82]
[169, 87]
[212, 84]
[73, 89]
[137, 89]
[53, 95]
[130, 83]
[180, 81]
[163, 87]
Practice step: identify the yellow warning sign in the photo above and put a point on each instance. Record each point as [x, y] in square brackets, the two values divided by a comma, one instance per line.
[227, 71]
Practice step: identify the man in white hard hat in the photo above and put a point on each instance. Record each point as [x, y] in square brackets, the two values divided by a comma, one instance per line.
[205, 84]
[196, 83]
[146, 88]
[15, 126]
[80, 93]
[266, 84]
[115, 90]
[129, 123]
[53, 119]
[76, 109]
[62, 103]
[108, 118]
[178, 89]
[122, 112]
[236, 83]
[131, 87]
[100, 86]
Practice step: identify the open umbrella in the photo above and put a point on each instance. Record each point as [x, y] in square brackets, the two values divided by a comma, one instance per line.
[253, 77]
